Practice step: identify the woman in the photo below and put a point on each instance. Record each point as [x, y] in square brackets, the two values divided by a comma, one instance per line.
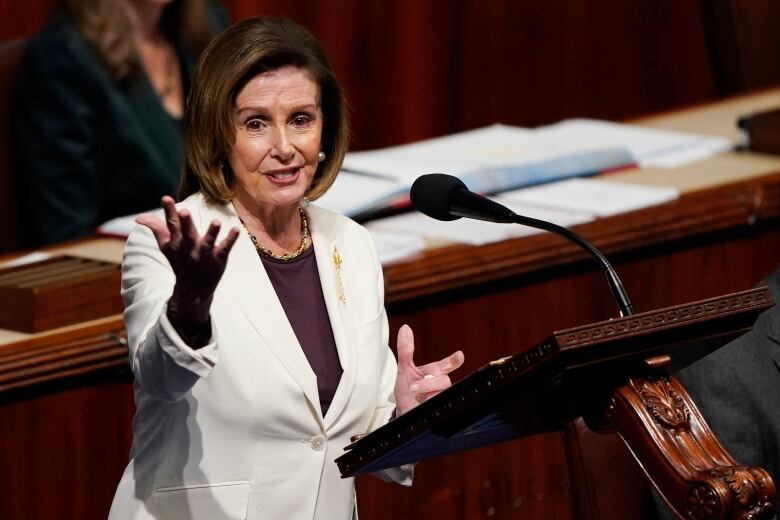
[98, 110]
[256, 324]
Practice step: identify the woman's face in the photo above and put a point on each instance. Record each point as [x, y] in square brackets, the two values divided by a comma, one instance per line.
[278, 131]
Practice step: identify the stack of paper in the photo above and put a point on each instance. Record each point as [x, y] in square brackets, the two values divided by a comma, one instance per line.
[488, 160]
[595, 197]
[499, 158]
[648, 146]
[566, 203]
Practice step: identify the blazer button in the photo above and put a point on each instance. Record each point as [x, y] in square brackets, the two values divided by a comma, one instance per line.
[318, 443]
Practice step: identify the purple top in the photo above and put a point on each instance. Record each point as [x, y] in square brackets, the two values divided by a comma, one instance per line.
[297, 284]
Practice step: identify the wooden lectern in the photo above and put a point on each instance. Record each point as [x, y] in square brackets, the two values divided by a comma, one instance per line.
[613, 374]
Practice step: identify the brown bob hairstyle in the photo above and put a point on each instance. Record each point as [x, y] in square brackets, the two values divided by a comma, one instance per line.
[246, 49]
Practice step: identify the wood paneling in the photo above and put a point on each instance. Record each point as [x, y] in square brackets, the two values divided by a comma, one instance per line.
[414, 70]
[66, 404]
[22, 19]
[10, 233]
[743, 41]
[64, 446]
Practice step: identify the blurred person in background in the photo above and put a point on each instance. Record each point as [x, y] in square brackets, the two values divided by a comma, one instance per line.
[98, 110]
[737, 389]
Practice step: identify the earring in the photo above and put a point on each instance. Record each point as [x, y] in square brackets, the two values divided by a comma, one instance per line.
[321, 156]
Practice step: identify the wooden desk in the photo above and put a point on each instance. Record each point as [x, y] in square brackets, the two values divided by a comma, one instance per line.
[65, 426]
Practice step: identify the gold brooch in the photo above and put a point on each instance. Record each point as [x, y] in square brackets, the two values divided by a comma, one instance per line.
[339, 284]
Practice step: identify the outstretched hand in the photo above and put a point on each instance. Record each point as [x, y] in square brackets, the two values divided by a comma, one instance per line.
[414, 384]
[197, 262]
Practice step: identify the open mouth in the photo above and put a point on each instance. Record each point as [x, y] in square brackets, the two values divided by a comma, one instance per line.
[284, 176]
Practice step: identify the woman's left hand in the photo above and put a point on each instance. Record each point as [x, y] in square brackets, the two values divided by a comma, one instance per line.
[414, 384]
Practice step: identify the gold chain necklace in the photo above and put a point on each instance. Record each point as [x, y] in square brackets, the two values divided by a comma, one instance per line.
[285, 257]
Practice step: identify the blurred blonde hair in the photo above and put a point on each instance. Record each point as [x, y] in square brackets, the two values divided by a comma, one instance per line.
[104, 25]
[246, 49]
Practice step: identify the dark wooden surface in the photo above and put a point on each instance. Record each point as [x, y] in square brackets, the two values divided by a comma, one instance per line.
[58, 291]
[66, 405]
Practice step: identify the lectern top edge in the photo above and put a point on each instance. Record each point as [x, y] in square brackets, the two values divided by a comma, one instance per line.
[524, 394]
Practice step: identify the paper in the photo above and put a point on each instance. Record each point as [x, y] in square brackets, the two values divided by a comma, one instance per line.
[392, 246]
[498, 158]
[351, 192]
[489, 149]
[499, 146]
[597, 197]
[35, 256]
[417, 226]
[648, 146]
[453, 154]
[565, 203]
[488, 160]
[118, 227]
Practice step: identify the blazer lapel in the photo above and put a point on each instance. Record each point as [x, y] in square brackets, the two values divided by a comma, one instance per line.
[246, 280]
[327, 242]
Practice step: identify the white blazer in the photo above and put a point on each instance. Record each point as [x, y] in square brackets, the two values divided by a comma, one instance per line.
[234, 430]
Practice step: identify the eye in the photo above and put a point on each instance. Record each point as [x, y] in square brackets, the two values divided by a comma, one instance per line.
[254, 125]
[301, 120]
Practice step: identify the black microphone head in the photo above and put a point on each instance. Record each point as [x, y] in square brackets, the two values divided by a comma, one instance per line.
[430, 195]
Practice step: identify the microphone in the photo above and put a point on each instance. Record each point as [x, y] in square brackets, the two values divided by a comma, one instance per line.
[444, 197]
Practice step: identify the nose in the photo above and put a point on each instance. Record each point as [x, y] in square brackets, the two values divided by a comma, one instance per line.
[281, 146]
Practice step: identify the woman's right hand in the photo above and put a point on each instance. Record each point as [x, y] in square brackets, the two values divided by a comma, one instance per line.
[198, 264]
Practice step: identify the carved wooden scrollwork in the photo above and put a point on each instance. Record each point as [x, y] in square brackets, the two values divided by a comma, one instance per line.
[703, 503]
[748, 487]
[697, 477]
[663, 402]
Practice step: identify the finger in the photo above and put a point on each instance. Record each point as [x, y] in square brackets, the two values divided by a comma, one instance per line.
[227, 244]
[207, 242]
[446, 365]
[172, 218]
[429, 385]
[189, 235]
[157, 227]
[405, 347]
